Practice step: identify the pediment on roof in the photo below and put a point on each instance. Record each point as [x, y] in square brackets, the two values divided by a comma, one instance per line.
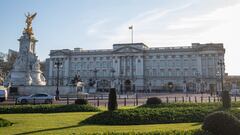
[210, 48]
[127, 49]
[207, 48]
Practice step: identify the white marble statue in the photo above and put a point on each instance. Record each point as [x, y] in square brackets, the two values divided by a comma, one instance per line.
[26, 69]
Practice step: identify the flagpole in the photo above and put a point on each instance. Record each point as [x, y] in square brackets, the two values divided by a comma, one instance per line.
[132, 34]
[131, 28]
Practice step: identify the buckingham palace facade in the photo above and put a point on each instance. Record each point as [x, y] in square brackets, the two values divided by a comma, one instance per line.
[136, 67]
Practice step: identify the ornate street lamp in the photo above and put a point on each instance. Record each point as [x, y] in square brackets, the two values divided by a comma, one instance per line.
[218, 78]
[226, 99]
[57, 65]
[221, 64]
[184, 83]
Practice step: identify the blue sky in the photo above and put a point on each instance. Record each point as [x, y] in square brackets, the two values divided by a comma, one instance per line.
[97, 24]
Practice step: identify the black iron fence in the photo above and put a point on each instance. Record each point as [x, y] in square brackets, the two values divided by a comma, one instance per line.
[134, 99]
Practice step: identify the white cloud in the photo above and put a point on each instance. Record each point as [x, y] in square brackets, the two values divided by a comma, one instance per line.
[159, 27]
[146, 24]
[96, 27]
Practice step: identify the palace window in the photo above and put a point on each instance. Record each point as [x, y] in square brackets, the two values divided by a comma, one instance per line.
[154, 72]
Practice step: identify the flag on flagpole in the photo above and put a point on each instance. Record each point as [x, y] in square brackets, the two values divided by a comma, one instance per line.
[131, 27]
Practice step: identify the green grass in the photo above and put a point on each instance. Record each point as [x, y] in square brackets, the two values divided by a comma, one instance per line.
[67, 123]
[4, 123]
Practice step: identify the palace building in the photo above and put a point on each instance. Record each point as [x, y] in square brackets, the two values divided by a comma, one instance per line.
[135, 67]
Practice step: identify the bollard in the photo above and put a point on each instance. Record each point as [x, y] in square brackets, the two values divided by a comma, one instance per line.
[195, 99]
[97, 101]
[167, 99]
[183, 99]
[34, 101]
[125, 101]
[134, 104]
[209, 100]
[214, 100]
[189, 99]
[201, 99]
[175, 99]
[67, 99]
[235, 99]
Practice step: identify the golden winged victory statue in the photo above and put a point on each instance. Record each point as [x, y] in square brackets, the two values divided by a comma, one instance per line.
[29, 19]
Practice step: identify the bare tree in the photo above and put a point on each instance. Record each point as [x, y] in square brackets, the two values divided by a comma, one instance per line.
[6, 66]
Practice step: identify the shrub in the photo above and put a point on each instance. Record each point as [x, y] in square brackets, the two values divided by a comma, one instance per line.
[112, 100]
[154, 101]
[221, 123]
[4, 123]
[46, 108]
[150, 116]
[226, 99]
[81, 101]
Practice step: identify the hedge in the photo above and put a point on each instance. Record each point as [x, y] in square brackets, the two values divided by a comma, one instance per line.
[46, 108]
[150, 116]
[4, 123]
[185, 105]
[174, 132]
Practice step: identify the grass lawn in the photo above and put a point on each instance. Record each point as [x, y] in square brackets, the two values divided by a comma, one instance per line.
[67, 123]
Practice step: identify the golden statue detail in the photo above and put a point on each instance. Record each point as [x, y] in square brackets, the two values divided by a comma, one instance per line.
[29, 19]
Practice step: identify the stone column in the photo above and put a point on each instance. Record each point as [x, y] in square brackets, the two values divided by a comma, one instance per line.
[66, 69]
[125, 65]
[50, 72]
[199, 66]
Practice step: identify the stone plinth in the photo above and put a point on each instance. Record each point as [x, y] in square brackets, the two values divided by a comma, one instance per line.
[63, 90]
[26, 69]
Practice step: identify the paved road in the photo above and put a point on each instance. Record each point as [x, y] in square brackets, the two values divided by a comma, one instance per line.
[136, 99]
